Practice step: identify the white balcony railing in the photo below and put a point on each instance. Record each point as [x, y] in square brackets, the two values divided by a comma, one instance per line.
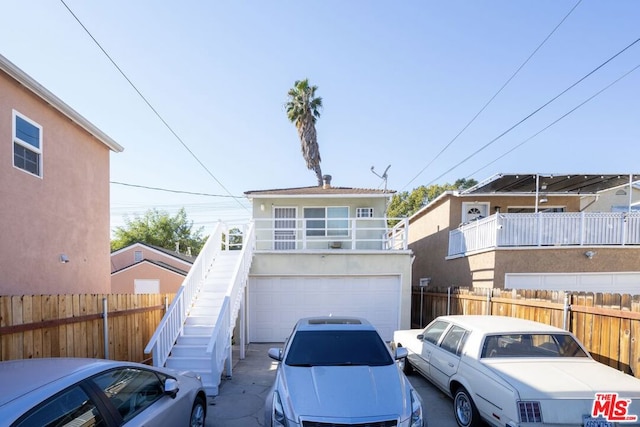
[273, 234]
[546, 229]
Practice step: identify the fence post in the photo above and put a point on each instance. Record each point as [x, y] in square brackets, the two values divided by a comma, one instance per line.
[105, 325]
[565, 311]
[489, 291]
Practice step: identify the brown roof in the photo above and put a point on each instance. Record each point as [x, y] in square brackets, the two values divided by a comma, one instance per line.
[319, 191]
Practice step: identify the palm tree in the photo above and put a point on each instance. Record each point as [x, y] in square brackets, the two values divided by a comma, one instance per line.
[303, 109]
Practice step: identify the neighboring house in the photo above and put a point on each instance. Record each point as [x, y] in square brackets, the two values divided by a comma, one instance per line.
[141, 268]
[54, 187]
[532, 231]
[325, 251]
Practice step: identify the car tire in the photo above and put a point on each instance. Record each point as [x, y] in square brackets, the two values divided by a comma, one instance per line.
[198, 413]
[464, 409]
[407, 368]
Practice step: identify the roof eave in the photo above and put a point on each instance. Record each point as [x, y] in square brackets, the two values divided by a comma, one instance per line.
[39, 90]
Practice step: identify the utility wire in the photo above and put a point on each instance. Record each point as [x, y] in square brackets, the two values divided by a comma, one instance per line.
[494, 96]
[148, 103]
[534, 112]
[174, 191]
[555, 121]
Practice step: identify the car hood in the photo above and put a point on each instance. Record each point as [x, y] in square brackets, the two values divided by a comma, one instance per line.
[568, 379]
[346, 391]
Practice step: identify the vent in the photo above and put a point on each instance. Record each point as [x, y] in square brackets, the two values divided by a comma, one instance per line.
[530, 412]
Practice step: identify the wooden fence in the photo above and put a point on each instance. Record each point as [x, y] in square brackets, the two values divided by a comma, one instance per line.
[607, 324]
[35, 326]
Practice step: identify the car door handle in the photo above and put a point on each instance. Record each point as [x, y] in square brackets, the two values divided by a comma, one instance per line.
[451, 365]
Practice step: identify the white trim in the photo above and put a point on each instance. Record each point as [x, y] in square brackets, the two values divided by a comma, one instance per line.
[15, 140]
[146, 261]
[167, 254]
[27, 81]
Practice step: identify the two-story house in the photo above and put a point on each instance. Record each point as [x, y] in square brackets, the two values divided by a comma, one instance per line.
[532, 231]
[54, 187]
[325, 250]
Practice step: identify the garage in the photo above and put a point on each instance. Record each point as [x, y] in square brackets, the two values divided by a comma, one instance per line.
[617, 283]
[276, 303]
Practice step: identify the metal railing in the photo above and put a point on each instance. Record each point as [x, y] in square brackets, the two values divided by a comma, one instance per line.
[546, 229]
[274, 234]
[172, 323]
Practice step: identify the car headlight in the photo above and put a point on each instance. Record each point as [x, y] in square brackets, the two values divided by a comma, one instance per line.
[277, 414]
[416, 410]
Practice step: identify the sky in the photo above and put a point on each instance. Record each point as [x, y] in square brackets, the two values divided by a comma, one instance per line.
[435, 90]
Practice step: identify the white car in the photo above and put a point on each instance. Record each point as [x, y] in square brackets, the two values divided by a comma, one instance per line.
[513, 372]
[101, 393]
[339, 372]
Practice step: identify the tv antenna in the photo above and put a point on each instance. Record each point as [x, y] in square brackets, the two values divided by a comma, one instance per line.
[384, 175]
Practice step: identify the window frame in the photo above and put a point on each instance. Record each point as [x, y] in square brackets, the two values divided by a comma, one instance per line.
[326, 231]
[15, 140]
[368, 211]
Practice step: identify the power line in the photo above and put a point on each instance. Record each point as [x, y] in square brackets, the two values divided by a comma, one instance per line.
[555, 121]
[174, 191]
[494, 96]
[534, 112]
[147, 102]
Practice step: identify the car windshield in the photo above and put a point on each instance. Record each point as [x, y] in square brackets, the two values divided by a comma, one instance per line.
[337, 348]
[532, 345]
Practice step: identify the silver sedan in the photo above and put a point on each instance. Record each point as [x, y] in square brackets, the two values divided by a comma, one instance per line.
[95, 392]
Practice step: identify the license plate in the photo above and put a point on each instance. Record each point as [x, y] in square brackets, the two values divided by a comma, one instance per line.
[595, 422]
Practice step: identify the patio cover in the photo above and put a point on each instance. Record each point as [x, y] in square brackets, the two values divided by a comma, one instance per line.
[567, 184]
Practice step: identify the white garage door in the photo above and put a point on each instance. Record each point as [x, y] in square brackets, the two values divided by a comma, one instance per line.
[620, 282]
[276, 303]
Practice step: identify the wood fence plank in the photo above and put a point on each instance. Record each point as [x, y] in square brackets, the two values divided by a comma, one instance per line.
[63, 313]
[37, 315]
[27, 317]
[17, 342]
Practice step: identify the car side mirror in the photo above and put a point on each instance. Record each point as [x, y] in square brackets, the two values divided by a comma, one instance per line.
[420, 337]
[275, 354]
[401, 353]
[171, 387]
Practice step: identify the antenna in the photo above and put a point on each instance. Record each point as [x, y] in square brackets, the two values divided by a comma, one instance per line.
[384, 175]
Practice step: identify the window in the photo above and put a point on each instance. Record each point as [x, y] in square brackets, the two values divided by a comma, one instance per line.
[131, 390]
[364, 213]
[454, 341]
[72, 407]
[27, 145]
[137, 256]
[330, 221]
[433, 331]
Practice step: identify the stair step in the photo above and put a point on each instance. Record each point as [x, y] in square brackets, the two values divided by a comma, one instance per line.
[188, 350]
[201, 321]
[196, 364]
[199, 340]
[198, 330]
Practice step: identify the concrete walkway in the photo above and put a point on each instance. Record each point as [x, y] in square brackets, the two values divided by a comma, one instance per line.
[240, 402]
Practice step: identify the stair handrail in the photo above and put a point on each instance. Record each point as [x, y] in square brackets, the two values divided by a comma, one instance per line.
[172, 324]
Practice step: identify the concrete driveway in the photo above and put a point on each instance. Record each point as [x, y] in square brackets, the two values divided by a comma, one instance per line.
[241, 398]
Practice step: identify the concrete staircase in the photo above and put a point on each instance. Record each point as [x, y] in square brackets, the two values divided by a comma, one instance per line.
[190, 350]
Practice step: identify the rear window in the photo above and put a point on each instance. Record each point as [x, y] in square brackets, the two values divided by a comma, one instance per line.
[338, 348]
[532, 345]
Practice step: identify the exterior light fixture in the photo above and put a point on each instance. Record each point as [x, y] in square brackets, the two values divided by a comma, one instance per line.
[64, 258]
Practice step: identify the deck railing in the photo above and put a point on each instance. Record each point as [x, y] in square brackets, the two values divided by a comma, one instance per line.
[172, 323]
[546, 229]
[273, 234]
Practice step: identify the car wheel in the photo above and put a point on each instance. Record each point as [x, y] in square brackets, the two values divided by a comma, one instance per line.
[198, 413]
[464, 409]
[406, 366]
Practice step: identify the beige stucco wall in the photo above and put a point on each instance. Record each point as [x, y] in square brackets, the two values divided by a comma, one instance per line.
[353, 264]
[65, 211]
[607, 199]
[429, 240]
[123, 281]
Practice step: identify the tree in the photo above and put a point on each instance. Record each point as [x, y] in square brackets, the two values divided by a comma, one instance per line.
[160, 229]
[405, 204]
[303, 109]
